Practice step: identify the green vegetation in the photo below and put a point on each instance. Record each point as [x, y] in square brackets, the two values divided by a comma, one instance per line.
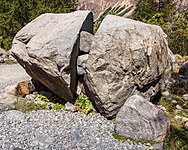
[123, 139]
[15, 14]
[44, 103]
[173, 20]
[43, 97]
[58, 106]
[84, 104]
[177, 138]
[116, 10]
[25, 106]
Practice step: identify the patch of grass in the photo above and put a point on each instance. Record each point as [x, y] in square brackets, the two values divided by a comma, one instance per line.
[123, 139]
[177, 138]
[25, 106]
[96, 26]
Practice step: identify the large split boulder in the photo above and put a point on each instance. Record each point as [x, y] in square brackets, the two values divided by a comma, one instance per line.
[126, 57]
[141, 120]
[48, 48]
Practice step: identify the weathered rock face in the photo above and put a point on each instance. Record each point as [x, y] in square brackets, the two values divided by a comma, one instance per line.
[140, 119]
[126, 57]
[48, 48]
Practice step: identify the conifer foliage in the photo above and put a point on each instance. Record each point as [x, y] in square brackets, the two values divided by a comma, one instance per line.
[15, 14]
[172, 19]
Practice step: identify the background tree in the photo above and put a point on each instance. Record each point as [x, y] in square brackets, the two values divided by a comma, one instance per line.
[14, 14]
[173, 20]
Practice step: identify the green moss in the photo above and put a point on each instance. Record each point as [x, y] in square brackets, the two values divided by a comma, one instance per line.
[123, 139]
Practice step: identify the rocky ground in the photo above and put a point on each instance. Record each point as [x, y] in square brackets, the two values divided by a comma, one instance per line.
[50, 129]
[60, 129]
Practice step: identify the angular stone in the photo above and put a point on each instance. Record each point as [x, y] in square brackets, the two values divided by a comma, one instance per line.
[126, 57]
[48, 48]
[24, 88]
[140, 119]
[81, 64]
[70, 107]
[86, 39]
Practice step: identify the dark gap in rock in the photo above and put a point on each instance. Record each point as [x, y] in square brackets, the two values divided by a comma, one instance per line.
[88, 28]
[148, 61]
[66, 69]
[156, 98]
[147, 86]
[73, 69]
[87, 24]
[59, 68]
[82, 53]
[43, 90]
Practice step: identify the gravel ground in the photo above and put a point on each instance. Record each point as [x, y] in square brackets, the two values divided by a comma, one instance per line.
[59, 130]
[54, 130]
[10, 74]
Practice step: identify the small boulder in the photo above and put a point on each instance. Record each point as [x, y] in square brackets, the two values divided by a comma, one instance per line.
[24, 88]
[81, 64]
[71, 107]
[141, 120]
